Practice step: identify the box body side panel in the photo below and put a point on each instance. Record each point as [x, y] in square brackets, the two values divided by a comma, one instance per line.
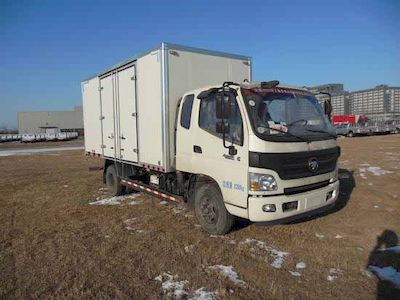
[91, 115]
[190, 70]
[149, 107]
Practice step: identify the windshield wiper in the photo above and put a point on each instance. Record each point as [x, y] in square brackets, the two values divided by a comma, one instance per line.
[321, 131]
[291, 134]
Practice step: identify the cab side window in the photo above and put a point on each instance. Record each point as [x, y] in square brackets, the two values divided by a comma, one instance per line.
[186, 114]
[208, 119]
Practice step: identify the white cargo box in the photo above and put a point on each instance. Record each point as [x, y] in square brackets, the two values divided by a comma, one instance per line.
[129, 110]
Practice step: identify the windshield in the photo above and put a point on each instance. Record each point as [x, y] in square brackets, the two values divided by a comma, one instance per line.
[282, 114]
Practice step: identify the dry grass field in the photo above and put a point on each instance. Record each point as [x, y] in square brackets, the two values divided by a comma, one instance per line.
[55, 244]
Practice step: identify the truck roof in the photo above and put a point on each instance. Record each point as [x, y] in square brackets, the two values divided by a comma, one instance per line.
[166, 46]
[248, 85]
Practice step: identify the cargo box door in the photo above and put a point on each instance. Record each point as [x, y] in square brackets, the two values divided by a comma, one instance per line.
[107, 109]
[127, 134]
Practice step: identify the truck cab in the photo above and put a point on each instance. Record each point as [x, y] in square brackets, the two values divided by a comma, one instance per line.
[259, 151]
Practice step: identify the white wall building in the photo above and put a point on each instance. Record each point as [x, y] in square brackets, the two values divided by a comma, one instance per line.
[45, 121]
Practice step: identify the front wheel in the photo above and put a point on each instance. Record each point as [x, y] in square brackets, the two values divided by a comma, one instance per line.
[350, 134]
[211, 211]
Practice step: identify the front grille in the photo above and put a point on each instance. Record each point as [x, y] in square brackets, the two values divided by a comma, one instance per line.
[296, 165]
[305, 188]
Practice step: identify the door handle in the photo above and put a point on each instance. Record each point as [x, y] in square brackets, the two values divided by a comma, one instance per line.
[197, 149]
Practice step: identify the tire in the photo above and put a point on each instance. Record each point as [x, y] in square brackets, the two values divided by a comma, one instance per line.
[350, 134]
[113, 182]
[211, 211]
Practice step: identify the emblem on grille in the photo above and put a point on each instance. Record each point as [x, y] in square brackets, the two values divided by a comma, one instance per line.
[313, 164]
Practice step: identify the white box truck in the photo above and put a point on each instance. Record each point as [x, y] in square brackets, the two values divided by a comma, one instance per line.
[188, 125]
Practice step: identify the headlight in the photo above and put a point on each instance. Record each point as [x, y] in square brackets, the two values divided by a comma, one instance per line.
[262, 182]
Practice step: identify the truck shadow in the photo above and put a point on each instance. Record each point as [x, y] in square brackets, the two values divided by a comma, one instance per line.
[347, 184]
[384, 263]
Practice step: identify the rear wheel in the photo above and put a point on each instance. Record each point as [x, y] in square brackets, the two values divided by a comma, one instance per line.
[350, 134]
[211, 211]
[113, 182]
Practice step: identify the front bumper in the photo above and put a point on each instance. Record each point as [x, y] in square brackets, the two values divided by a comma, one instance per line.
[307, 202]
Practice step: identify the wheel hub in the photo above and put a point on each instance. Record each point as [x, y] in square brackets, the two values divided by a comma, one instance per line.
[208, 211]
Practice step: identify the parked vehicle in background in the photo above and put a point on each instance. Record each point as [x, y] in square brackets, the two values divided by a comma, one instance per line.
[348, 119]
[3, 138]
[51, 137]
[346, 129]
[394, 126]
[188, 125]
[62, 136]
[28, 138]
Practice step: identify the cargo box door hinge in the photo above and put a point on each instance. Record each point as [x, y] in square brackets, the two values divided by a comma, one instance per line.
[101, 118]
[134, 115]
[136, 150]
[102, 146]
[100, 88]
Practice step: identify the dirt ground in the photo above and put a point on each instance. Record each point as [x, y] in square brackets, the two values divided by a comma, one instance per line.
[54, 244]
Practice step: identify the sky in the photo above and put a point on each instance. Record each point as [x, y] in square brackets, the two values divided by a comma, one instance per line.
[48, 47]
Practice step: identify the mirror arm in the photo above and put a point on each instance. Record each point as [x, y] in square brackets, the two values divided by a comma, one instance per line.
[329, 101]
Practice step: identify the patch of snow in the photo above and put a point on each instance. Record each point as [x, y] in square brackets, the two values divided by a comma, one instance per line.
[333, 274]
[229, 272]
[163, 202]
[232, 242]
[172, 287]
[300, 265]
[116, 200]
[203, 294]
[338, 236]
[376, 206]
[189, 249]
[362, 173]
[366, 273]
[37, 150]
[320, 236]
[177, 210]
[133, 202]
[331, 278]
[361, 249]
[65, 185]
[387, 274]
[376, 171]
[295, 273]
[278, 256]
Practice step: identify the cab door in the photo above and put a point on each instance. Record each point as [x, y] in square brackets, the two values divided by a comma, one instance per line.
[211, 158]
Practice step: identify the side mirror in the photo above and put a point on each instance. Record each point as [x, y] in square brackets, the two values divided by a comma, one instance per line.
[328, 107]
[223, 107]
[222, 127]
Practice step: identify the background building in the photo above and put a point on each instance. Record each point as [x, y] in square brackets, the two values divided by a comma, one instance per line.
[50, 121]
[379, 104]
